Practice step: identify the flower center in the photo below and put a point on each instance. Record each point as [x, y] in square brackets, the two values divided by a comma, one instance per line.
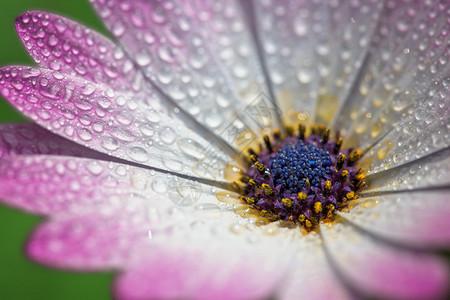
[296, 164]
[302, 180]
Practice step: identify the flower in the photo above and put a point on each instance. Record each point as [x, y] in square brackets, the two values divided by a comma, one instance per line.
[143, 137]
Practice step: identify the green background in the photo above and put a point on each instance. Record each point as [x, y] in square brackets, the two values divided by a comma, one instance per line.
[19, 277]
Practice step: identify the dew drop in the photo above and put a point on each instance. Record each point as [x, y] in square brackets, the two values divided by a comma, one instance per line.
[138, 154]
[110, 143]
[191, 148]
[168, 135]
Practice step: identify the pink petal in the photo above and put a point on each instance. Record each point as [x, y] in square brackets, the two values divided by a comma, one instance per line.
[417, 219]
[208, 263]
[29, 138]
[314, 50]
[179, 60]
[95, 241]
[311, 276]
[384, 271]
[405, 66]
[55, 185]
[96, 116]
[66, 46]
[191, 275]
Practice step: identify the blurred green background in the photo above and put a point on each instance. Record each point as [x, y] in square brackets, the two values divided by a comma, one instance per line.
[19, 277]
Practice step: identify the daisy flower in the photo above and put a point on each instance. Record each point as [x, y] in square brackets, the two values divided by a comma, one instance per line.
[237, 149]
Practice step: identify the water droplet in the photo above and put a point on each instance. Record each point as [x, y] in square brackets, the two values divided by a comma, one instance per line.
[138, 154]
[110, 143]
[84, 134]
[138, 178]
[168, 135]
[122, 134]
[159, 185]
[147, 130]
[191, 148]
[213, 119]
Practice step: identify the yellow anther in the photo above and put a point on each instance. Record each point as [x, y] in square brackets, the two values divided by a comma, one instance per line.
[248, 200]
[251, 151]
[253, 182]
[277, 134]
[307, 183]
[325, 135]
[289, 130]
[331, 207]
[340, 161]
[318, 207]
[338, 145]
[267, 189]
[301, 131]
[327, 187]
[253, 158]
[287, 202]
[308, 224]
[350, 195]
[302, 196]
[343, 176]
[354, 156]
[314, 129]
[359, 178]
[321, 128]
[268, 143]
[302, 218]
[245, 179]
[259, 166]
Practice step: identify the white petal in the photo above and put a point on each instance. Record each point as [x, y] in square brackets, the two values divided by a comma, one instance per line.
[430, 171]
[418, 219]
[313, 51]
[406, 65]
[420, 134]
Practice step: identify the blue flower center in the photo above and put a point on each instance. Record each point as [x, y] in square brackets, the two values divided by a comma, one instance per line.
[300, 179]
[297, 166]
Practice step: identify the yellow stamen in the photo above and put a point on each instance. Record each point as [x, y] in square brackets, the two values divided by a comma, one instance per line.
[325, 135]
[253, 183]
[253, 158]
[343, 176]
[308, 184]
[308, 224]
[327, 188]
[340, 161]
[354, 156]
[302, 218]
[277, 134]
[289, 130]
[249, 200]
[301, 131]
[267, 189]
[318, 207]
[245, 179]
[338, 145]
[259, 166]
[268, 144]
[350, 195]
[287, 202]
[302, 196]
